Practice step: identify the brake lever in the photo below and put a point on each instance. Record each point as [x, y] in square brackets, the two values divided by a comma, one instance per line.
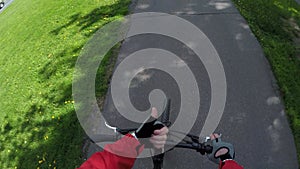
[207, 138]
[206, 145]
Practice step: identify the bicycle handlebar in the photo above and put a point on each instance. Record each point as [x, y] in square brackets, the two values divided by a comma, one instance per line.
[199, 147]
[158, 159]
[103, 138]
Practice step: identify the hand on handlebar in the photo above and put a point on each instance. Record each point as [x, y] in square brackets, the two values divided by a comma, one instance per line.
[159, 137]
[153, 129]
[221, 150]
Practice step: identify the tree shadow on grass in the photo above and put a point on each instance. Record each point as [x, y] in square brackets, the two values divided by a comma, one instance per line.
[54, 137]
[43, 139]
[103, 14]
[60, 133]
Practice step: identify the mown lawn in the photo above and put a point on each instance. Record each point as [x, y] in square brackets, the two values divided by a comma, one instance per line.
[39, 44]
[276, 25]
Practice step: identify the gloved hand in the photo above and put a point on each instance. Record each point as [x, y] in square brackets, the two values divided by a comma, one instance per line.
[221, 150]
[152, 131]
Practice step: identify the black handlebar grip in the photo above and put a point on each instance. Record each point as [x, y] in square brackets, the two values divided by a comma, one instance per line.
[205, 149]
[208, 149]
[166, 113]
[103, 138]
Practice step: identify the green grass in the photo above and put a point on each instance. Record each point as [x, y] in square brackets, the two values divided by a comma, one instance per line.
[273, 22]
[40, 42]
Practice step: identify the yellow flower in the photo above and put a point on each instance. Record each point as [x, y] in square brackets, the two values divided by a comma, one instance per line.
[46, 138]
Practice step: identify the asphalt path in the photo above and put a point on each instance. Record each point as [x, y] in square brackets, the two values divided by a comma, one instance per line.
[7, 3]
[254, 119]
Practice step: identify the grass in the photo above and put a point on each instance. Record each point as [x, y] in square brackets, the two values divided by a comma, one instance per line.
[40, 42]
[276, 23]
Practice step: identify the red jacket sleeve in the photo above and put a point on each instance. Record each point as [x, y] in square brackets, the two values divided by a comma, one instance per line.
[230, 164]
[121, 154]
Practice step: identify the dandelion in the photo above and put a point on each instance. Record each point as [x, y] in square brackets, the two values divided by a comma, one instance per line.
[46, 137]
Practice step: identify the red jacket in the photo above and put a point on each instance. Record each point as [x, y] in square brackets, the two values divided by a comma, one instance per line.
[230, 164]
[122, 155]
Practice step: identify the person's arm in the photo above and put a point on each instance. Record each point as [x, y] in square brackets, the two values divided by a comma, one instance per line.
[128, 146]
[122, 154]
[229, 164]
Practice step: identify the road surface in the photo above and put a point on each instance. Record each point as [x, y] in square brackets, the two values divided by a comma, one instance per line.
[254, 119]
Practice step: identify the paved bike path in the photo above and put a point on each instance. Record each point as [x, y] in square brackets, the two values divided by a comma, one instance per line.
[7, 3]
[254, 119]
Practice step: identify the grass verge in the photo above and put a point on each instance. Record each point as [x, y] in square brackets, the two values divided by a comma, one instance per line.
[276, 23]
[40, 42]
